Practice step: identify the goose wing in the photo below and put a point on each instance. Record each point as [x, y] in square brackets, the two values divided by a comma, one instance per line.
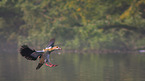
[51, 43]
[29, 54]
[41, 62]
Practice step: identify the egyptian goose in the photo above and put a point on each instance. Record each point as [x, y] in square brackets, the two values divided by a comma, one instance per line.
[44, 54]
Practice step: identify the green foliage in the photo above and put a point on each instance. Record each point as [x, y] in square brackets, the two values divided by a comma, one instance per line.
[77, 24]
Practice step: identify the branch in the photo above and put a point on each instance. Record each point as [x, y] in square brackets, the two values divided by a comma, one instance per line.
[127, 27]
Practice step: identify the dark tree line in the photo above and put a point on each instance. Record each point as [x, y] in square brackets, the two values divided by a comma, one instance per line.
[76, 24]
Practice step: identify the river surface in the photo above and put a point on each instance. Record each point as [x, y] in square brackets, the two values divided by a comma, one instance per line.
[74, 67]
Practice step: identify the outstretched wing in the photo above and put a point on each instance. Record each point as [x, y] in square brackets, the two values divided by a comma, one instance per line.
[44, 59]
[28, 53]
[41, 62]
[51, 43]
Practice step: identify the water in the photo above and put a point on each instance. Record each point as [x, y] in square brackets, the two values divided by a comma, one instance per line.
[74, 67]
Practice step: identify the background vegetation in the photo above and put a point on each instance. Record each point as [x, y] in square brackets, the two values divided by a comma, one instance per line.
[76, 24]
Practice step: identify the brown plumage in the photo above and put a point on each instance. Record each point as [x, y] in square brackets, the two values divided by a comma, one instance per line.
[41, 62]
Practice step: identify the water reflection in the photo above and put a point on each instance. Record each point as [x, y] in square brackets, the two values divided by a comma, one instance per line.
[75, 67]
